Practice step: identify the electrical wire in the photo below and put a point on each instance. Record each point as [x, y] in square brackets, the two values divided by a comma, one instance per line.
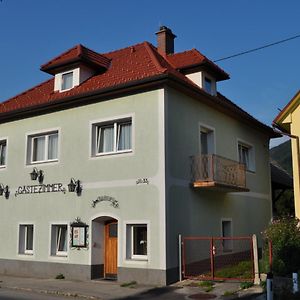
[258, 48]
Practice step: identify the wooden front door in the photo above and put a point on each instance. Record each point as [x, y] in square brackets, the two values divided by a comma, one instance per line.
[111, 249]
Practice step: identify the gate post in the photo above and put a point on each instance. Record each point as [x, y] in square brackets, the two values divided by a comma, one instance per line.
[255, 258]
[212, 259]
[180, 256]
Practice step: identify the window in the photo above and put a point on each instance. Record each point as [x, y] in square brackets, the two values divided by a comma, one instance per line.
[208, 85]
[67, 81]
[2, 153]
[43, 147]
[206, 140]
[246, 156]
[206, 148]
[112, 137]
[137, 246]
[26, 239]
[227, 233]
[59, 240]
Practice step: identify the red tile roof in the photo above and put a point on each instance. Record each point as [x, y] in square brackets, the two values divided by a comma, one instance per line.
[77, 54]
[130, 66]
[192, 59]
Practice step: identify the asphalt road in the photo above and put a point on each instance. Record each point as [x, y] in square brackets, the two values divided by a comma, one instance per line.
[166, 293]
[9, 294]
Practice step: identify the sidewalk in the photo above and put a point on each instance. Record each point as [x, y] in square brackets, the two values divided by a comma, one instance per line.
[93, 290]
[109, 290]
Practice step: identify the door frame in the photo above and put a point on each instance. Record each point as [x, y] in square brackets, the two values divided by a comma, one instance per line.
[97, 261]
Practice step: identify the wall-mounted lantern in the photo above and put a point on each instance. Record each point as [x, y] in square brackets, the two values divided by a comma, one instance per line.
[4, 190]
[75, 186]
[37, 174]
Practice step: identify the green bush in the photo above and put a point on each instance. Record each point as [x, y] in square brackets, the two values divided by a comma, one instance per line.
[285, 236]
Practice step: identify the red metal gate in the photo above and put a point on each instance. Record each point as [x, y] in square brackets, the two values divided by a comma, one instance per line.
[218, 258]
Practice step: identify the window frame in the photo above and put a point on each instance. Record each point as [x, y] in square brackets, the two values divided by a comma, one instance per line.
[54, 230]
[115, 122]
[31, 137]
[229, 245]
[23, 233]
[209, 130]
[129, 241]
[62, 81]
[251, 155]
[3, 140]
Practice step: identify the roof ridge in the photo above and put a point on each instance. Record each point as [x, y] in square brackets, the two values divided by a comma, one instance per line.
[156, 62]
[122, 49]
[60, 55]
[25, 92]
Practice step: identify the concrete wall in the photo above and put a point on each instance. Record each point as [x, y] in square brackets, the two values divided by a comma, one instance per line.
[112, 175]
[196, 212]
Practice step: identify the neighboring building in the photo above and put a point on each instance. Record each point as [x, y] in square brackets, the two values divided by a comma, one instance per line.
[112, 139]
[288, 121]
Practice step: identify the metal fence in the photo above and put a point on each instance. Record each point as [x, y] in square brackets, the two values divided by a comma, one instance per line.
[218, 258]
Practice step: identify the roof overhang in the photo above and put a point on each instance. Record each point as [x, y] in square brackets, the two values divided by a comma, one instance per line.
[134, 87]
[284, 118]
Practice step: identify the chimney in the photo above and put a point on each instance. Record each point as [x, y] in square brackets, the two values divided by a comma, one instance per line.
[165, 40]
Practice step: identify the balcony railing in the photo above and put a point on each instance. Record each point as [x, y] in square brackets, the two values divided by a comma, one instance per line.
[211, 170]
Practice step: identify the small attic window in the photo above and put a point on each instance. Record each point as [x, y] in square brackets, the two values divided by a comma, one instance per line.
[208, 85]
[67, 81]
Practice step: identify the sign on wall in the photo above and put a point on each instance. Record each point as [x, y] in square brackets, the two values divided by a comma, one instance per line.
[79, 234]
[40, 188]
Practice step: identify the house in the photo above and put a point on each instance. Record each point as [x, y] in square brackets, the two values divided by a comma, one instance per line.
[287, 121]
[108, 161]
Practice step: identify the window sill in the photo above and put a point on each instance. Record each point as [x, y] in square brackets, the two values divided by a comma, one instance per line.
[250, 171]
[2, 167]
[112, 153]
[52, 161]
[139, 258]
[26, 254]
[136, 260]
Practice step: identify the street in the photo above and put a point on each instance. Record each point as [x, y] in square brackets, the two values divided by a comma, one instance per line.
[11, 294]
[166, 293]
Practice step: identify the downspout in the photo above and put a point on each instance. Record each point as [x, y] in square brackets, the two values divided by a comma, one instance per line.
[279, 130]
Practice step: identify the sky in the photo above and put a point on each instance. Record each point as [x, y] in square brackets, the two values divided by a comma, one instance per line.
[34, 31]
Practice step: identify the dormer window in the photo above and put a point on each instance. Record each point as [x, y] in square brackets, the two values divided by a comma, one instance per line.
[208, 85]
[67, 81]
[75, 66]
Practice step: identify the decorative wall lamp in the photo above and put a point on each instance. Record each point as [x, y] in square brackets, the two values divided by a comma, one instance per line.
[37, 174]
[4, 190]
[75, 186]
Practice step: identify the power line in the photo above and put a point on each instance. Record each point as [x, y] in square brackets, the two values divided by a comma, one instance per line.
[259, 48]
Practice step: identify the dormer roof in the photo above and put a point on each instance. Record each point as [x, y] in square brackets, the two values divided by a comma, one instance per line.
[129, 70]
[74, 56]
[192, 61]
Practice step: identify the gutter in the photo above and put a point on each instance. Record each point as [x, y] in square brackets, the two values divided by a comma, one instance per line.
[130, 88]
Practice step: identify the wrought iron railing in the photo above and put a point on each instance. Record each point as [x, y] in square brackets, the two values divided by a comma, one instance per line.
[214, 168]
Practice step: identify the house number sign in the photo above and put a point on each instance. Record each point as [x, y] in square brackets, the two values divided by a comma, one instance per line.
[40, 188]
[142, 181]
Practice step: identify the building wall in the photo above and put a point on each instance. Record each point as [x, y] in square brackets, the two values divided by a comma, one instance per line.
[196, 212]
[111, 175]
[295, 130]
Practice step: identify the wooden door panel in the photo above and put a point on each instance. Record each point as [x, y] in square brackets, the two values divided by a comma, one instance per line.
[111, 249]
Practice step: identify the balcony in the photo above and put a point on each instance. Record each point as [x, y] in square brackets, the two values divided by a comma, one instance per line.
[211, 171]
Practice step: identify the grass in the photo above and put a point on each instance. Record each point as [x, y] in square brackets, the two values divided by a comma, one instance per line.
[229, 293]
[130, 284]
[246, 285]
[60, 276]
[206, 284]
[242, 270]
